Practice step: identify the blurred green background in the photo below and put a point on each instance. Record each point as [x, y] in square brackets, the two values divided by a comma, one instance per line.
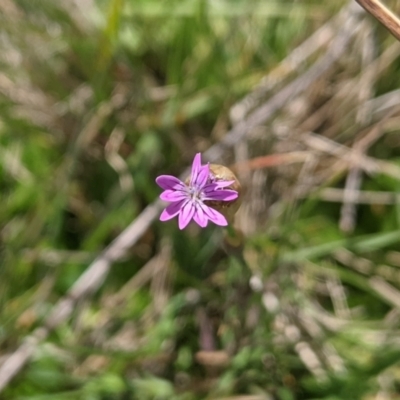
[99, 97]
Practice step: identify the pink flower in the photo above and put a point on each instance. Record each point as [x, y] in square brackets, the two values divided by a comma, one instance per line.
[187, 200]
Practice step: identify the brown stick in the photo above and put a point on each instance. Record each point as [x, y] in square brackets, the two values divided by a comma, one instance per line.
[383, 15]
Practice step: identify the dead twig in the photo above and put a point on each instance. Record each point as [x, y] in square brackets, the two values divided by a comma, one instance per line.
[383, 15]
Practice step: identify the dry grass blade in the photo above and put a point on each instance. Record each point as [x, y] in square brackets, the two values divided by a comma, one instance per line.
[360, 196]
[293, 89]
[89, 282]
[153, 267]
[349, 157]
[387, 291]
[320, 38]
[245, 397]
[354, 178]
[271, 160]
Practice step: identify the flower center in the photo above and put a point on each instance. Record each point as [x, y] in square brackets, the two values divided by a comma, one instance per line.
[194, 193]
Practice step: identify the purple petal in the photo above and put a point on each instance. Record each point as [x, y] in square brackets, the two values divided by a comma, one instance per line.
[196, 165]
[222, 195]
[214, 216]
[202, 176]
[173, 195]
[217, 185]
[169, 182]
[172, 210]
[224, 184]
[200, 217]
[186, 214]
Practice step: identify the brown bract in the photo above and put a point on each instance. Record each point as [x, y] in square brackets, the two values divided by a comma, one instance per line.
[227, 208]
